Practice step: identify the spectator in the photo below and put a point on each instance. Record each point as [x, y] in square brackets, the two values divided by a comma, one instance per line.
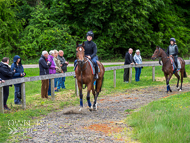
[128, 60]
[58, 70]
[52, 68]
[138, 60]
[19, 73]
[1, 81]
[64, 64]
[5, 74]
[44, 65]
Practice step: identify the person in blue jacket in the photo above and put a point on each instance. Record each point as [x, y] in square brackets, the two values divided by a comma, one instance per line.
[19, 73]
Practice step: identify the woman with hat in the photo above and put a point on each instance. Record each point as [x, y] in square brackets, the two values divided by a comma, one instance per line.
[173, 51]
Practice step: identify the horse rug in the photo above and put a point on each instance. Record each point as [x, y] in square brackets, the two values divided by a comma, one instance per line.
[173, 64]
[91, 66]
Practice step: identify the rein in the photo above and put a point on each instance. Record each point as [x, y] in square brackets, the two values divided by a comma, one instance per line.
[162, 57]
[81, 65]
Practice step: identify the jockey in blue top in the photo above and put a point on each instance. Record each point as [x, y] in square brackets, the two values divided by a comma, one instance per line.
[173, 51]
[90, 51]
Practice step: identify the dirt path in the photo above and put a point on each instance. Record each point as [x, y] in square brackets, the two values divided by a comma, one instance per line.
[105, 125]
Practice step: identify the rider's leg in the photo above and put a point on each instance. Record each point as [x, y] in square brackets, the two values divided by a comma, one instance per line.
[75, 62]
[176, 63]
[96, 67]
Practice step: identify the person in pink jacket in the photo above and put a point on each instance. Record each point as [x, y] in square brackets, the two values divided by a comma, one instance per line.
[52, 68]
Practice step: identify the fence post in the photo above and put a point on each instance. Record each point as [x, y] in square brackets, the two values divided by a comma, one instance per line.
[114, 78]
[23, 95]
[76, 87]
[1, 101]
[130, 74]
[153, 73]
[52, 89]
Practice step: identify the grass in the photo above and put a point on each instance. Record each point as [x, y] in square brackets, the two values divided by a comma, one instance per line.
[38, 107]
[163, 121]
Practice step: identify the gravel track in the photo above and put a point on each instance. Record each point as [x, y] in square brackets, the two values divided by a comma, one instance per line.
[96, 126]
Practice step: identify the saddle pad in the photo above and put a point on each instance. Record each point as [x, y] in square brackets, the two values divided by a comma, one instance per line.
[173, 64]
[91, 66]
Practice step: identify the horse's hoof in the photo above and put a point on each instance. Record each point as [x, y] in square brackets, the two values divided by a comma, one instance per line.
[91, 108]
[96, 106]
[80, 109]
[180, 90]
[170, 90]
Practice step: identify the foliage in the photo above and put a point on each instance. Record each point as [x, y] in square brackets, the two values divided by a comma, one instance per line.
[163, 121]
[30, 26]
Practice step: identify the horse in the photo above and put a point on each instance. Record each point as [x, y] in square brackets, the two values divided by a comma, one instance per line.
[85, 76]
[167, 67]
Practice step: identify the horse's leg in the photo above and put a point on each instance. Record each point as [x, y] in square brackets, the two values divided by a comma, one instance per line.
[89, 87]
[99, 84]
[81, 96]
[182, 75]
[93, 90]
[170, 75]
[178, 78]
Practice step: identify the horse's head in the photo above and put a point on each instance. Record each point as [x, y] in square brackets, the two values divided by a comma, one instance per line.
[80, 52]
[157, 53]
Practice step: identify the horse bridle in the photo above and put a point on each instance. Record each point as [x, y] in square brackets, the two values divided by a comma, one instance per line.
[81, 66]
[162, 57]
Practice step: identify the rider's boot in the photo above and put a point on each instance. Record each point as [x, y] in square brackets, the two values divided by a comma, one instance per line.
[96, 73]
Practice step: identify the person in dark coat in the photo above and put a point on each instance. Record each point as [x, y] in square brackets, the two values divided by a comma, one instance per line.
[44, 65]
[19, 73]
[173, 51]
[5, 74]
[91, 51]
[64, 64]
[128, 60]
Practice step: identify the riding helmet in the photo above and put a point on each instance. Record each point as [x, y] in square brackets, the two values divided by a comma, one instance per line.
[90, 33]
[173, 39]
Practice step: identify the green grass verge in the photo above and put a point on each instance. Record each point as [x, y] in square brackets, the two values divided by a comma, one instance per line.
[36, 106]
[163, 121]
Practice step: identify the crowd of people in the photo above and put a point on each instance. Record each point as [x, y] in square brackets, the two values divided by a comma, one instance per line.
[52, 63]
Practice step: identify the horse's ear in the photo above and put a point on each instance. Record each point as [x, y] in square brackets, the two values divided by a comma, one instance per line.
[83, 44]
[77, 44]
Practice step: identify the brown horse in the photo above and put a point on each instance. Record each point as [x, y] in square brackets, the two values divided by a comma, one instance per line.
[167, 67]
[84, 76]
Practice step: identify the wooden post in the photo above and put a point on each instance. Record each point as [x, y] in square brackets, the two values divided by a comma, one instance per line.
[130, 74]
[23, 95]
[153, 73]
[52, 90]
[1, 101]
[76, 88]
[114, 78]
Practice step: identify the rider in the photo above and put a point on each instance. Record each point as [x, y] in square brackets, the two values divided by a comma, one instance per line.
[91, 50]
[173, 51]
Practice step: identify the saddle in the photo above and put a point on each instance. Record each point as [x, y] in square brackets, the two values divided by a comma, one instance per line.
[92, 66]
[173, 64]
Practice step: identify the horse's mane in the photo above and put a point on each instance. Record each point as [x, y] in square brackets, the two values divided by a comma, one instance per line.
[161, 48]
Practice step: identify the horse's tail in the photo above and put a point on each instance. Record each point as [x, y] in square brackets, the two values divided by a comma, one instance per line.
[185, 74]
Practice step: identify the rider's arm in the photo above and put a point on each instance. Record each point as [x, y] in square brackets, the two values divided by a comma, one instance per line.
[176, 51]
[94, 51]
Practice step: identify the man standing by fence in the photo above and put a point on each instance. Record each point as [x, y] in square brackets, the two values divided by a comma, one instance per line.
[128, 60]
[64, 64]
[5, 74]
[44, 70]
